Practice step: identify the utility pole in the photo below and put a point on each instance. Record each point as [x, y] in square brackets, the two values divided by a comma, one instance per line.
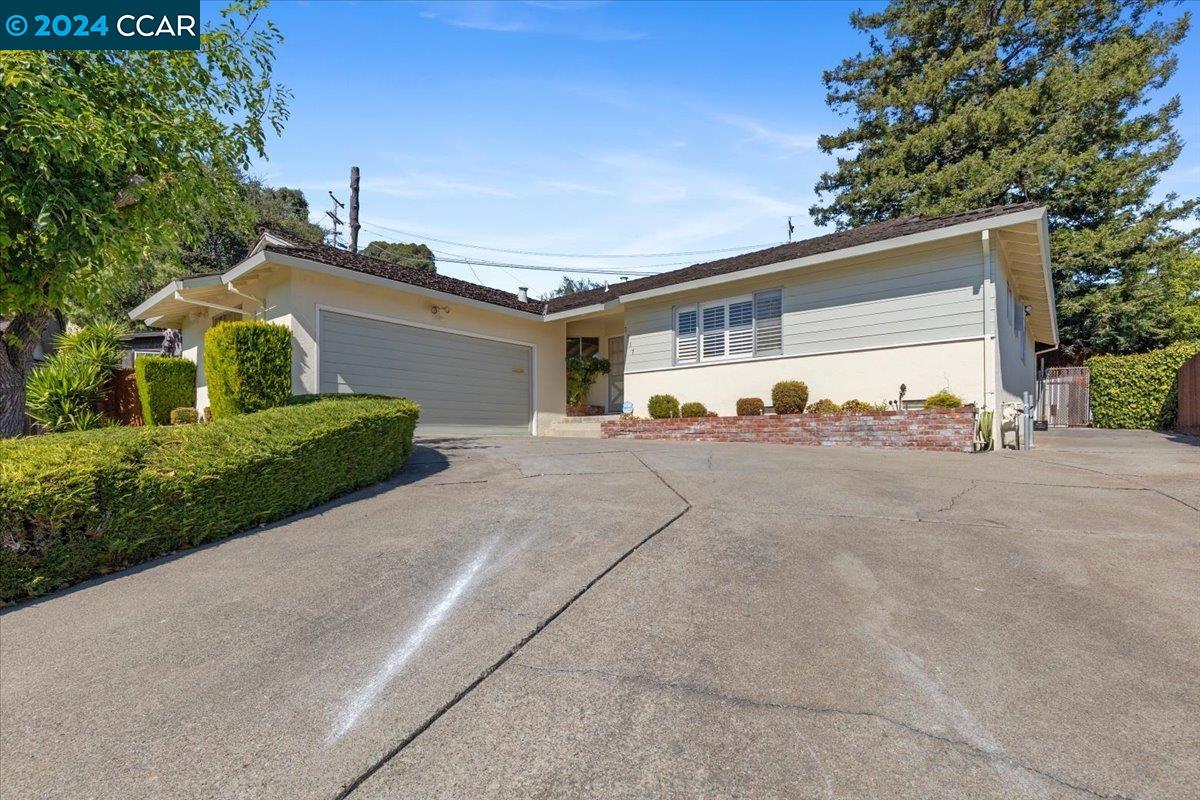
[354, 226]
[333, 215]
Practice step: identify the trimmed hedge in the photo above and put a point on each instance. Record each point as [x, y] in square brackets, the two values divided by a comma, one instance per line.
[824, 406]
[1138, 391]
[750, 407]
[693, 410]
[789, 397]
[943, 399]
[77, 505]
[663, 406]
[248, 366]
[856, 406]
[164, 384]
[184, 416]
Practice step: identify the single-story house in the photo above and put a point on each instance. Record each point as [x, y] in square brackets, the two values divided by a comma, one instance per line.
[960, 302]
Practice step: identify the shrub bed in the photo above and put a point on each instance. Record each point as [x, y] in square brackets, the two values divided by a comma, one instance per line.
[1138, 391]
[248, 366]
[164, 384]
[77, 505]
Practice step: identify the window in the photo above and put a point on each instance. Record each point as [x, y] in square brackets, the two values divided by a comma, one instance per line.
[1018, 312]
[741, 327]
[583, 346]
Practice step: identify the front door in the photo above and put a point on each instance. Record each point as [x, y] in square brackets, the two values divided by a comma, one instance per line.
[616, 377]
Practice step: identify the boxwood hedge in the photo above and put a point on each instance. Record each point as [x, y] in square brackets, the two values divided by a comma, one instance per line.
[76, 505]
[248, 366]
[164, 384]
[1138, 391]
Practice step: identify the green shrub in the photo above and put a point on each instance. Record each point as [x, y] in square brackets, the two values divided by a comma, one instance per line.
[750, 406]
[248, 366]
[581, 374]
[184, 416]
[856, 406]
[164, 384]
[789, 397]
[824, 406]
[663, 406]
[943, 399]
[1138, 391]
[81, 504]
[693, 410]
[63, 394]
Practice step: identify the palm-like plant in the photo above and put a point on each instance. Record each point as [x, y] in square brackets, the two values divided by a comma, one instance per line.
[63, 394]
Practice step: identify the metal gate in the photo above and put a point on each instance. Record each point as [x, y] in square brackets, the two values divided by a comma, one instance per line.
[1064, 397]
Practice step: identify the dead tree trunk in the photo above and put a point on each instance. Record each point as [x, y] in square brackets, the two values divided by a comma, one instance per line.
[16, 357]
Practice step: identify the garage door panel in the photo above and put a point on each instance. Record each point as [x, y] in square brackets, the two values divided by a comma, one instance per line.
[464, 384]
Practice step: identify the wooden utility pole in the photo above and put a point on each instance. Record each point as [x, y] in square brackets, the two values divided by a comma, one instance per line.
[354, 226]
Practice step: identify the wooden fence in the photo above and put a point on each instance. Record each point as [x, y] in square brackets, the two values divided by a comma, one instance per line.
[1188, 420]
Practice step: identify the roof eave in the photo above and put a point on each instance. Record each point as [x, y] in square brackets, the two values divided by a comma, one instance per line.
[974, 226]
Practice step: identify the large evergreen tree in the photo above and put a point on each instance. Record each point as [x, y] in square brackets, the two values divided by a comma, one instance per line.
[960, 104]
[406, 254]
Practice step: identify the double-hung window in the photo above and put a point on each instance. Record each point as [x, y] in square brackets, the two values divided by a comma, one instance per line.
[738, 327]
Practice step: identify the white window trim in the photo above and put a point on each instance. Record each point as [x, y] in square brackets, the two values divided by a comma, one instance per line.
[699, 307]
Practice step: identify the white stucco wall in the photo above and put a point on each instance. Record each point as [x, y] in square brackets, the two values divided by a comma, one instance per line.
[1017, 375]
[871, 375]
[294, 301]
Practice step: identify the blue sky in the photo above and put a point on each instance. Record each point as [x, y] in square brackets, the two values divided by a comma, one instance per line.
[611, 128]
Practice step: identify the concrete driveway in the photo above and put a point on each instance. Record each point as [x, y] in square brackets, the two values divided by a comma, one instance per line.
[560, 618]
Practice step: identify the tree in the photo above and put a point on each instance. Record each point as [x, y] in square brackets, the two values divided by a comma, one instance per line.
[959, 105]
[102, 152]
[571, 285]
[413, 256]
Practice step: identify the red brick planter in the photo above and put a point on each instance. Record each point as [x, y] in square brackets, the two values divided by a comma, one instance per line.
[914, 430]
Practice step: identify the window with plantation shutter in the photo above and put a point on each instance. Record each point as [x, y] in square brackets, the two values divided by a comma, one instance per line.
[739, 327]
[686, 346]
[768, 323]
[713, 338]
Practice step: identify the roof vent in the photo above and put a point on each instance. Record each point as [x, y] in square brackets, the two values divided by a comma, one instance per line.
[523, 294]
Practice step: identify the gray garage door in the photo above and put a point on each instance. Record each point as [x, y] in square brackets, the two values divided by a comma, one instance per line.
[464, 384]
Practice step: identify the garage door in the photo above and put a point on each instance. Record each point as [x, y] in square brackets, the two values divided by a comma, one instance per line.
[464, 384]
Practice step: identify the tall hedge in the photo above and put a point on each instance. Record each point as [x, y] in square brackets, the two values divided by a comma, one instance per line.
[1138, 391]
[163, 385]
[76, 505]
[248, 367]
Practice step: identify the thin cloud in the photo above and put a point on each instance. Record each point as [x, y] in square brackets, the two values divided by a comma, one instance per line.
[551, 18]
[760, 132]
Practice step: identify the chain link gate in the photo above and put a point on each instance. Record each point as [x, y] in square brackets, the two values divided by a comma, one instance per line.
[1064, 397]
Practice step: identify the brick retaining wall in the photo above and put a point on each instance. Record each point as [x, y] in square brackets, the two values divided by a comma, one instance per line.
[915, 430]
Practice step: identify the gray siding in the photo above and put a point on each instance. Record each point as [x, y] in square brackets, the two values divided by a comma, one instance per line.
[464, 384]
[919, 294]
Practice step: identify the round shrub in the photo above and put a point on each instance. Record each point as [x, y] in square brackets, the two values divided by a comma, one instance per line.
[750, 407]
[663, 406]
[789, 397]
[693, 410]
[856, 406]
[824, 406]
[943, 399]
[184, 416]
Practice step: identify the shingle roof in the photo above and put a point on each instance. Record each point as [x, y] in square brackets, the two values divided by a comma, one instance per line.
[876, 232]
[325, 254]
[867, 234]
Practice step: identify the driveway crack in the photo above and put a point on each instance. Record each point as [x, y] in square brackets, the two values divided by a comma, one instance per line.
[349, 787]
[963, 746]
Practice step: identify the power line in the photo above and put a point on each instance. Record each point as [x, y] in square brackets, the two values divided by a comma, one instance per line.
[454, 258]
[575, 255]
